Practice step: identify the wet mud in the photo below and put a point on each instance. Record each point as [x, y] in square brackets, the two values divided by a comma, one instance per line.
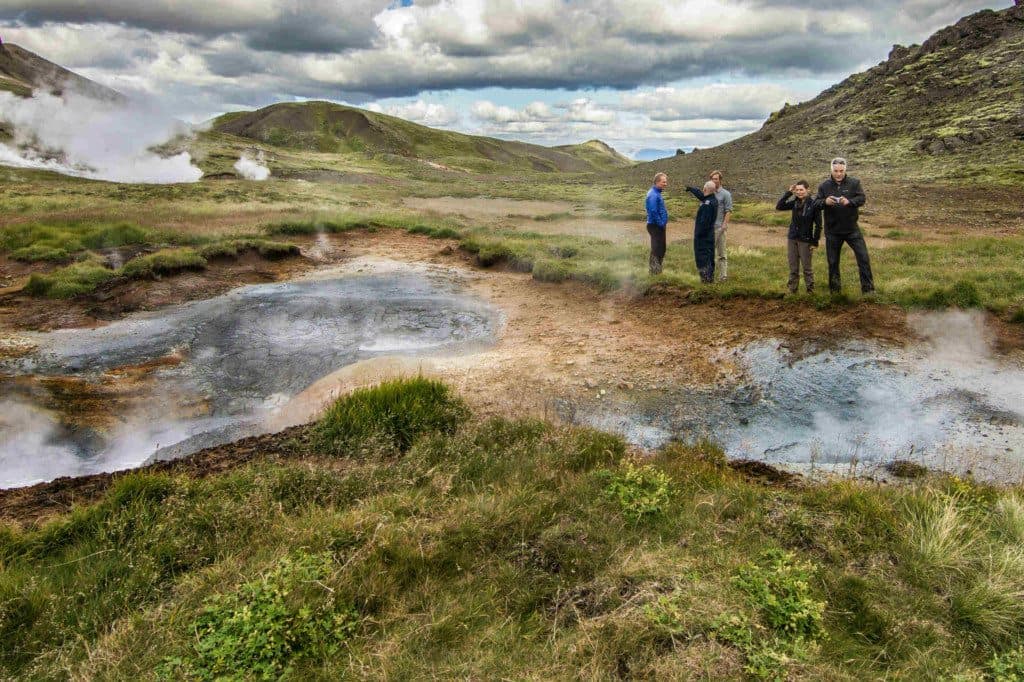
[187, 377]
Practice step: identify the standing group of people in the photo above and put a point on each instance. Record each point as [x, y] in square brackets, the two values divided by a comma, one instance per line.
[836, 205]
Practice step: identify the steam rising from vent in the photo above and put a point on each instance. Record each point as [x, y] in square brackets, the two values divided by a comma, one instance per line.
[77, 135]
[252, 169]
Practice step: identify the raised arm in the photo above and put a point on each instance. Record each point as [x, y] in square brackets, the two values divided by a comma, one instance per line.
[696, 193]
[785, 201]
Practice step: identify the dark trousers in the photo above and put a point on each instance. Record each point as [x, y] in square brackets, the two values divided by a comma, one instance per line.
[704, 253]
[658, 246]
[833, 245]
[800, 256]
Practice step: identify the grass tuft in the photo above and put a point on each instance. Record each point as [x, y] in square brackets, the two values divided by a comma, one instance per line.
[162, 263]
[73, 280]
[389, 417]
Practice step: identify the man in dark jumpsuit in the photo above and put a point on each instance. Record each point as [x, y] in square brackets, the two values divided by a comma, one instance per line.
[704, 231]
[842, 197]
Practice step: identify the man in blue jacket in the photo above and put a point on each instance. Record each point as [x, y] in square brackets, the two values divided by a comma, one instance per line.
[657, 222]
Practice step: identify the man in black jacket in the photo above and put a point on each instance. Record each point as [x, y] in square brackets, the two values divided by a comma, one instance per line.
[842, 198]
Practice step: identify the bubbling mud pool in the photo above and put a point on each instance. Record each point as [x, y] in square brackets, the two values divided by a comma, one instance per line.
[945, 403]
[222, 365]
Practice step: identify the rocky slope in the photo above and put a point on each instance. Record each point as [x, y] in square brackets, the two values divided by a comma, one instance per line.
[23, 72]
[950, 109]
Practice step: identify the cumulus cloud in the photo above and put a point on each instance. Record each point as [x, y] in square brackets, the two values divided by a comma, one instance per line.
[420, 111]
[720, 100]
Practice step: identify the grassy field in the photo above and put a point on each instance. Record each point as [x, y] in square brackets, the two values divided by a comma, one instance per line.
[50, 218]
[428, 544]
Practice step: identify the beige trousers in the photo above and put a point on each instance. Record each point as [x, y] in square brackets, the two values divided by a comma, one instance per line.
[721, 258]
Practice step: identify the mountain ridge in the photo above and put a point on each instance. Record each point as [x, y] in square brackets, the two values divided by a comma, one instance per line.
[23, 71]
[328, 127]
[950, 109]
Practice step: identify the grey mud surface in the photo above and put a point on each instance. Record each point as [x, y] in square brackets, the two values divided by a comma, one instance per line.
[946, 404]
[242, 355]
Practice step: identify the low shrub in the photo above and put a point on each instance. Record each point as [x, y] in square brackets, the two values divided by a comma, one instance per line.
[641, 491]
[779, 587]
[267, 624]
[390, 416]
[1008, 666]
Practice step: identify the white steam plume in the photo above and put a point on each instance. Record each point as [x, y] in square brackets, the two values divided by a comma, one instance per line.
[77, 135]
[252, 168]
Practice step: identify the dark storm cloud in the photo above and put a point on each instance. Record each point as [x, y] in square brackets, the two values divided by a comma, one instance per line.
[382, 48]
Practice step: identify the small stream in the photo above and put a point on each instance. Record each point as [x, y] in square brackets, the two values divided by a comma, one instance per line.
[238, 357]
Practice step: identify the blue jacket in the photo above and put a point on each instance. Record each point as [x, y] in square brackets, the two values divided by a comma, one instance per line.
[657, 214]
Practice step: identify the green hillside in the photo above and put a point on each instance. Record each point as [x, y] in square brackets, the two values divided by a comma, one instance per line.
[333, 128]
[22, 71]
[950, 110]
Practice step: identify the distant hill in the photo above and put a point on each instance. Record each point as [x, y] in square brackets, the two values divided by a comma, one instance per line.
[328, 127]
[949, 110]
[22, 72]
[654, 154]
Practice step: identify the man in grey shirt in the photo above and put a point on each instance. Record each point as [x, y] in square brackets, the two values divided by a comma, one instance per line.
[721, 224]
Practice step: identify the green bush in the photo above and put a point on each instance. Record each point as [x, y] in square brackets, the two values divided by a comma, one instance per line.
[390, 416]
[779, 587]
[1008, 666]
[166, 262]
[73, 280]
[641, 491]
[267, 624]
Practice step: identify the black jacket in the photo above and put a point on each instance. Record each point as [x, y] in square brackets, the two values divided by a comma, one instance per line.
[805, 225]
[704, 222]
[841, 219]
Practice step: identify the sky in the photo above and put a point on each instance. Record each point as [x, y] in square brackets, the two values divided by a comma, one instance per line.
[637, 74]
